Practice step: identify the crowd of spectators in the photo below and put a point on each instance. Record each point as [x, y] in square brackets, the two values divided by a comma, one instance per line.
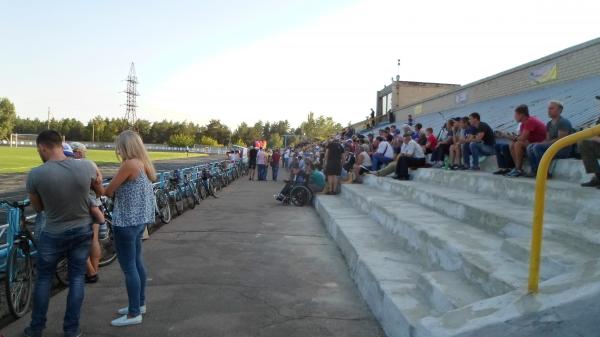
[460, 145]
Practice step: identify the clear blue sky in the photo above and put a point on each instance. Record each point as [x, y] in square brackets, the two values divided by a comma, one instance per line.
[245, 60]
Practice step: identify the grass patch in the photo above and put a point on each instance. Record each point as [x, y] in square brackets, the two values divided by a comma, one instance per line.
[23, 159]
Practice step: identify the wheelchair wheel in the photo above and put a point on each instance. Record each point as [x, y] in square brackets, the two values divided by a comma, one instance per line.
[300, 196]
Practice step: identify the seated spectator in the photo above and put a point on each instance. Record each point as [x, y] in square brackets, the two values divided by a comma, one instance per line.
[557, 128]
[502, 148]
[443, 147]
[411, 155]
[363, 162]
[590, 153]
[431, 143]
[532, 131]
[384, 154]
[316, 178]
[482, 144]
[460, 136]
[419, 135]
[393, 130]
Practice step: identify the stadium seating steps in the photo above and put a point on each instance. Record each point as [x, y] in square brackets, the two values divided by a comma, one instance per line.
[446, 254]
[577, 96]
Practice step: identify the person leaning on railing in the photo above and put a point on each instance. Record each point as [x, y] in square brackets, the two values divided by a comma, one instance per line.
[590, 153]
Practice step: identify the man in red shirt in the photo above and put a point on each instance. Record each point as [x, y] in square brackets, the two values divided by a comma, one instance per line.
[532, 131]
[275, 163]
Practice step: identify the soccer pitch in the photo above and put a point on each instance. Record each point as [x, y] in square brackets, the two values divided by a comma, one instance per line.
[22, 159]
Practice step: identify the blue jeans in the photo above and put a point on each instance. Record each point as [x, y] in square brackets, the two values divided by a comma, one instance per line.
[378, 160]
[262, 172]
[503, 157]
[128, 242]
[476, 150]
[536, 151]
[275, 170]
[75, 245]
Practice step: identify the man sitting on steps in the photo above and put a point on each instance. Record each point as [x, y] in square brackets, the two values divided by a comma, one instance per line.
[411, 155]
[557, 128]
[480, 145]
[590, 153]
[532, 131]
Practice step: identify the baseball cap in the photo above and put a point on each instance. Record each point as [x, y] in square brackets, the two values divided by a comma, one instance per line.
[77, 146]
[67, 150]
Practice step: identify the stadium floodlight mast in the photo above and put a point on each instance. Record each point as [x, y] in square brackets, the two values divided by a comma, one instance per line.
[130, 104]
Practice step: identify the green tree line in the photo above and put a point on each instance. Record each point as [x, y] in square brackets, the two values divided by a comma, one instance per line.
[174, 133]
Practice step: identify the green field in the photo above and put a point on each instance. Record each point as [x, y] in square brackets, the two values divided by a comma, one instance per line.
[18, 160]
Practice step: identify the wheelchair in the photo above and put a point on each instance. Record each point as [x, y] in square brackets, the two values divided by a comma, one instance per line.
[296, 193]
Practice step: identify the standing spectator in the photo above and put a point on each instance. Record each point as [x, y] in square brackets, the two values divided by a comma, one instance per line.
[383, 155]
[275, 164]
[286, 158]
[411, 155]
[532, 131]
[252, 162]
[333, 165]
[261, 163]
[482, 144]
[590, 153]
[61, 188]
[132, 191]
[557, 128]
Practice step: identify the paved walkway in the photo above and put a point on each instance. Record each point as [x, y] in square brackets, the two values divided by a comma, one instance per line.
[240, 265]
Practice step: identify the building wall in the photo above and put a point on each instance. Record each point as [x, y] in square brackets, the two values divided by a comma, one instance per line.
[407, 93]
[573, 63]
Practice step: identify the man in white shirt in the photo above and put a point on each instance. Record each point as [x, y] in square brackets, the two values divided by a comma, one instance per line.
[383, 155]
[411, 155]
[286, 158]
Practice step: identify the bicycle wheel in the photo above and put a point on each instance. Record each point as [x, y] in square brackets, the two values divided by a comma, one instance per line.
[18, 281]
[194, 192]
[189, 196]
[162, 205]
[62, 271]
[179, 202]
[201, 189]
[107, 247]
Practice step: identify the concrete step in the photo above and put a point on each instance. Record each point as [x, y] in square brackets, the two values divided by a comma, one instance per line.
[384, 272]
[447, 290]
[498, 216]
[568, 199]
[445, 242]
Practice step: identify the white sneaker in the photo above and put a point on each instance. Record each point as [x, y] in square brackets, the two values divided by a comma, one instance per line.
[125, 321]
[125, 311]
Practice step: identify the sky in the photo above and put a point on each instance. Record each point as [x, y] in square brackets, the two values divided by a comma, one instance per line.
[244, 61]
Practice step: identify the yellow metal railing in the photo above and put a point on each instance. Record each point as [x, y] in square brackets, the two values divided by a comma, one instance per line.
[540, 195]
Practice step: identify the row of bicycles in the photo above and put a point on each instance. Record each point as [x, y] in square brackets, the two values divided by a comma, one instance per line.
[174, 191]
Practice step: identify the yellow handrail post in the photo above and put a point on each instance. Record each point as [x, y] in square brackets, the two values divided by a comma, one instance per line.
[540, 195]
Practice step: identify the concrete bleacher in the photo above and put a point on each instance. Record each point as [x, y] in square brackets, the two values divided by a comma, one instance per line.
[578, 97]
[446, 254]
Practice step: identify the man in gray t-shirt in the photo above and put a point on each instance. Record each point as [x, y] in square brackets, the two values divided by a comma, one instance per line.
[61, 187]
[556, 128]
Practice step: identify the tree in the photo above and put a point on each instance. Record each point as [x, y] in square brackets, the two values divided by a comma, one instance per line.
[181, 140]
[276, 141]
[319, 128]
[8, 116]
[205, 140]
[217, 131]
